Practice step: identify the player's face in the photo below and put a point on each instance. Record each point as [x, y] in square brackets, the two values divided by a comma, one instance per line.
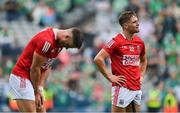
[67, 40]
[133, 25]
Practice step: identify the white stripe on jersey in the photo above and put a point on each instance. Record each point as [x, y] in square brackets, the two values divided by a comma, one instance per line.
[46, 47]
[109, 44]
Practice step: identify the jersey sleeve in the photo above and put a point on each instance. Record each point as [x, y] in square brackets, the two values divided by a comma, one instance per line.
[143, 51]
[111, 46]
[43, 47]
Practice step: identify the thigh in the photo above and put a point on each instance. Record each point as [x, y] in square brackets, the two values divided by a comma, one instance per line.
[137, 107]
[116, 109]
[129, 108]
[132, 107]
[26, 105]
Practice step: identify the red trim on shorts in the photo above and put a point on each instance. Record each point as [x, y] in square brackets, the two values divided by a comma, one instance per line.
[22, 83]
[116, 93]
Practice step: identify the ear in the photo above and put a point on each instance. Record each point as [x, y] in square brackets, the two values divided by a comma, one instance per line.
[125, 25]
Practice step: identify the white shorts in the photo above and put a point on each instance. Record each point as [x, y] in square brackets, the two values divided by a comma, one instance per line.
[122, 97]
[21, 88]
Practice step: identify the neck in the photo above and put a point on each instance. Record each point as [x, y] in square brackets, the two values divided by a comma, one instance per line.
[55, 33]
[128, 35]
[59, 34]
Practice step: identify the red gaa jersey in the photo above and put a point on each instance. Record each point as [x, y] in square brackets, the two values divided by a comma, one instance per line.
[43, 43]
[125, 59]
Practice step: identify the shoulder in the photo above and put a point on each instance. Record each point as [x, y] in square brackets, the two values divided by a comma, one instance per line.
[118, 38]
[44, 35]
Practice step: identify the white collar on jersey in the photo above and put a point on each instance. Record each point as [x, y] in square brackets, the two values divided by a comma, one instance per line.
[55, 33]
[123, 35]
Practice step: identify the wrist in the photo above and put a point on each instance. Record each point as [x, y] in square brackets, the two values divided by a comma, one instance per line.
[109, 77]
[39, 90]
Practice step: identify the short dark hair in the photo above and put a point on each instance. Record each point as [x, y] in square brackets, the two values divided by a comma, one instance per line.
[77, 36]
[126, 16]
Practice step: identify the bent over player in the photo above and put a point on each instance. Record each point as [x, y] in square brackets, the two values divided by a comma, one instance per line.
[31, 70]
[128, 64]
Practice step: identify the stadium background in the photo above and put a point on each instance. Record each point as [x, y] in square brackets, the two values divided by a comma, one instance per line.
[75, 83]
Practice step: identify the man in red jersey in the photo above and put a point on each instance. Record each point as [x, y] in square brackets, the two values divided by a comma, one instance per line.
[31, 70]
[128, 64]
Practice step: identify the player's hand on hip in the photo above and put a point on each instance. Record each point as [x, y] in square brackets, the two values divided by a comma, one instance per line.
[119, 80]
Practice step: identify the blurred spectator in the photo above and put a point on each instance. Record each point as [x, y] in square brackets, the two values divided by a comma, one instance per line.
[12, 10]
[4, 90]
[133, 5]
[38, 12]
[155, 95]
[6, 40]
[172, 81]
[49, 17]
[170, 103]
[48, 96]
[156, 6]
[6, 35]
[169, 24]
[146, 25]
[175, 9]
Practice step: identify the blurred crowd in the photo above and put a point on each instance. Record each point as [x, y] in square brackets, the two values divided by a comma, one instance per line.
[74, 83]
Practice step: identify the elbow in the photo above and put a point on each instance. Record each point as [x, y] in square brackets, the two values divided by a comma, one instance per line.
[96, 60]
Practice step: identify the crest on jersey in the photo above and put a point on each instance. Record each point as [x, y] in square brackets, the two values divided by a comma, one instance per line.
[131, 48]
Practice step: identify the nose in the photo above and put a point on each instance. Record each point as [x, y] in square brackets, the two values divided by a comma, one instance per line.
[137, 24]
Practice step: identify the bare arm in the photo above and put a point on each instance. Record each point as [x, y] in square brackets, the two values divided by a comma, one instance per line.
[143, 65]
[44, 77]
[35, 72]
[99, 60]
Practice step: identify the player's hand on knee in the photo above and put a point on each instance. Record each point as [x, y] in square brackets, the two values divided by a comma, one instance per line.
[119, 80]
[41, 109]
[39, 100]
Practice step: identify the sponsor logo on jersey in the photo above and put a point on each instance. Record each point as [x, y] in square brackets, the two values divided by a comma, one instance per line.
[132, 60]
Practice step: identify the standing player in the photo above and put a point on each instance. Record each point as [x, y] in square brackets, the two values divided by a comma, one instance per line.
[31, 70]
[128, 64]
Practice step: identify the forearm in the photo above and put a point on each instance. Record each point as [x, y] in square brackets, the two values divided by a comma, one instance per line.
[35, 75]
[143, 67]
[102, 68]
[44, 77]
